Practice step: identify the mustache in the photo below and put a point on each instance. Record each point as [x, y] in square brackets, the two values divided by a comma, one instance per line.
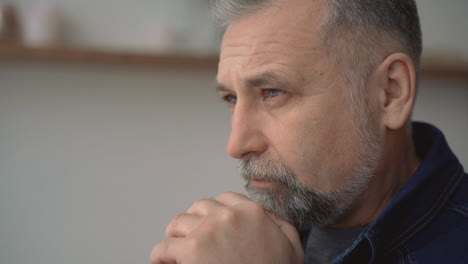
[264, 168]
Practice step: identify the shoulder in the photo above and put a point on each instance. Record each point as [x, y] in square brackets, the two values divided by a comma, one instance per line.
[444, 239]
[459, 201]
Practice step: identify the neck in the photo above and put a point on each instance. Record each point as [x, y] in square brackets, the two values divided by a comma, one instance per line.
[398, 164]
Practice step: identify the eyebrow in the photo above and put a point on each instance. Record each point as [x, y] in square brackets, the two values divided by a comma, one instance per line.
[265, 79]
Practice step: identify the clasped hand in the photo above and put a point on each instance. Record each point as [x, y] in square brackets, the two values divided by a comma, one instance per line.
[228, 229]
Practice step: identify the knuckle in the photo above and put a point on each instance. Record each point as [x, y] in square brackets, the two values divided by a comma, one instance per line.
[228, 195]
[225, 195]
[253, 211]
[173, 224]
[256, 210]
[198, 204]
[154, 256]
[228, 216]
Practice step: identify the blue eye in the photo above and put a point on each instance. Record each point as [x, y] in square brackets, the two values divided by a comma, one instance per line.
[270, 93]
[231, 99]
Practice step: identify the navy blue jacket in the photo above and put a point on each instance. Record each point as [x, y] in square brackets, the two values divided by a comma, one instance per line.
[427, 220]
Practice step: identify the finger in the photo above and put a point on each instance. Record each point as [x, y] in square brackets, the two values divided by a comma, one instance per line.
[289, 230]
[182, 225]
[203, 207]
[232, 198]
[167, 251]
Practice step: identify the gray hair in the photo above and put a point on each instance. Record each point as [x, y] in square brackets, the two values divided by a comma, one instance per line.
[357, 34]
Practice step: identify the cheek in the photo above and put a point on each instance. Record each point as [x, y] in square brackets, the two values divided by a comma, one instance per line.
[318, 146]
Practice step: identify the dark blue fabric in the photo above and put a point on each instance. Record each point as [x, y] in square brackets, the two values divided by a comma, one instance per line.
[427, 220]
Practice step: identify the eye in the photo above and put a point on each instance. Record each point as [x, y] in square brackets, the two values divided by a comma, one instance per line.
[230, 99]
[271, 93]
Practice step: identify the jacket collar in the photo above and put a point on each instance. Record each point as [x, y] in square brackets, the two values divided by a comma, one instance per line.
[417, 202]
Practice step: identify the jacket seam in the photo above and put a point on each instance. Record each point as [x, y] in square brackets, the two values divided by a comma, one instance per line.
[459, 209]
[432, 212]
[402, 257]
[408, 254]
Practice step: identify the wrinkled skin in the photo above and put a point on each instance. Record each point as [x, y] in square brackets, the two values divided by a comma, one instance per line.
[228, 229]
[289, 103]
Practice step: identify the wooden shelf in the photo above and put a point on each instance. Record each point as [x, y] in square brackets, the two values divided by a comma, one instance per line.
[81, 56]
[440, 66]
[432, 66]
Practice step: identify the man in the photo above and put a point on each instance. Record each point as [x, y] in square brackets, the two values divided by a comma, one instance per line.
[321, 94]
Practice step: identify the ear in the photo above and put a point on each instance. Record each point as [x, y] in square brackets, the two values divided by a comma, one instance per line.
[398, 76]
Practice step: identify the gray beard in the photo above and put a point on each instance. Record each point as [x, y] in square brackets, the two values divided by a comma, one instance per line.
[302, 205]
[305, 206]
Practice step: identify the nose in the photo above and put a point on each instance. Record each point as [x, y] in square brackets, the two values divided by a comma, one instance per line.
[246, 134]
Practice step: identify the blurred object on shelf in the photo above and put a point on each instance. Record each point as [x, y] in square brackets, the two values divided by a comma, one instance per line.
[202, 35]
[160, 27]
[157, 36]
[43, 26]
[9, 26]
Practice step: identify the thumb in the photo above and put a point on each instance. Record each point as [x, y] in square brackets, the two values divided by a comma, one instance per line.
[290, 231]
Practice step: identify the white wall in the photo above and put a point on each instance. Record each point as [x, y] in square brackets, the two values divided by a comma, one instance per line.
[444, 103]
[444, 25]
[95, 161]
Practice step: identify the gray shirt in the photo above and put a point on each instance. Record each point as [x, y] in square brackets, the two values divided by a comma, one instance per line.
[324, 245]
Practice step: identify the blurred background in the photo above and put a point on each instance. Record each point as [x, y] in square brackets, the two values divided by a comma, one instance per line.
[110, 124]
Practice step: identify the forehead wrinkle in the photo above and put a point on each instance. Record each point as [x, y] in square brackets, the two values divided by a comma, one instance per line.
[278, 41]
[260, 42]
[275, 38]
[280, 64]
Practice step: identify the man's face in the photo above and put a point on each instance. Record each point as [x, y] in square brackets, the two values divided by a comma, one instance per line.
[292, 114]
